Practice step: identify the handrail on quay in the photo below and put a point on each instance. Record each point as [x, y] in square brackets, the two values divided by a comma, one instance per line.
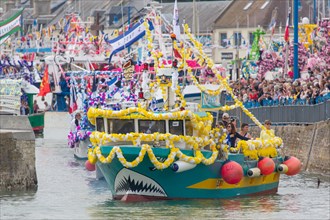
[286, 114]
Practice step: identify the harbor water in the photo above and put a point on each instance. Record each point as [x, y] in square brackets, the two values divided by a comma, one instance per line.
[66, 190]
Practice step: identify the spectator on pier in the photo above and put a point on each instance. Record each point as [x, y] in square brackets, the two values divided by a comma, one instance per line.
[269, 134]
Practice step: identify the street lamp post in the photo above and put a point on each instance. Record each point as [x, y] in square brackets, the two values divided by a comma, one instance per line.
[295, 42]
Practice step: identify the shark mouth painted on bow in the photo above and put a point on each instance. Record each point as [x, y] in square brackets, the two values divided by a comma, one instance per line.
[128, 181]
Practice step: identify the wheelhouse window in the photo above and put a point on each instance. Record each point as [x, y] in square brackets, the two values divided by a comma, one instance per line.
[118, 126]
[176, 127]
[150, 127]
[189, 128]
[100, 125]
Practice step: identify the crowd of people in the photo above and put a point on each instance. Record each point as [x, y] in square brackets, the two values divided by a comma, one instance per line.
[312, 89]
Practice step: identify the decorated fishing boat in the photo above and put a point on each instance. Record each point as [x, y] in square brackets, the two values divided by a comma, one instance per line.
[176, 155]
[174, 151]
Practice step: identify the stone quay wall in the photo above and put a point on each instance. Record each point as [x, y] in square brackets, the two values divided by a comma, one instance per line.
[309, 143]
[17, 154]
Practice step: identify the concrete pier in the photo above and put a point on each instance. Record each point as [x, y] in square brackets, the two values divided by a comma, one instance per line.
[17, 154]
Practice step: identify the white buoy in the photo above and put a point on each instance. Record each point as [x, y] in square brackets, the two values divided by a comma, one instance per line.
[282, 168]
[180, 166]
[253, 172]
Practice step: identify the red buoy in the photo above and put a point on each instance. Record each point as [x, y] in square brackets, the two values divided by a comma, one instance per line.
[89, 166]
[232, 172]
[293, 164]
[266, 166]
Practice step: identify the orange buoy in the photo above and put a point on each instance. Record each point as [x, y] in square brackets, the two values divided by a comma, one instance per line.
[266, 166]
[232, 172]
[293, 164]
[89, 166]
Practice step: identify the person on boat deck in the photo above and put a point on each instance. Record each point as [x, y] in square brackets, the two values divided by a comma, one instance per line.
[64, 85]
[47, 107]
[245, 131]
[233, 135]
[25, 110]
[35, 106]
[225, 119]
[263, 134]
[75, 122]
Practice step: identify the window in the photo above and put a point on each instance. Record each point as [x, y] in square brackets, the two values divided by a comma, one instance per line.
[100, 124]
[251, 38]
[150, 127]
[238, 38]
[223, 39]
[176, 127]
[120, 126]
[189, 128]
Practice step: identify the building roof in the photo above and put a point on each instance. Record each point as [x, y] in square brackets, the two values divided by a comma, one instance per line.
[254, 13]
[207, 13]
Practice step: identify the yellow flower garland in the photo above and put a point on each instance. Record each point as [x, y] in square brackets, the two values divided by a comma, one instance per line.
[258, 148]
[102, 138]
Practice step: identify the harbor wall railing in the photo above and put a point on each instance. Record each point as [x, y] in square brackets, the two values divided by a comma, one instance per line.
[286, 114]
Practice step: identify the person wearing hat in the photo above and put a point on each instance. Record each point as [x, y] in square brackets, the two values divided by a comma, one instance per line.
[225, 119]
[264, 135]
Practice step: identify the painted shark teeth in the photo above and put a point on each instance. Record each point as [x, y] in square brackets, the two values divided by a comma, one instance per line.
[128, 181]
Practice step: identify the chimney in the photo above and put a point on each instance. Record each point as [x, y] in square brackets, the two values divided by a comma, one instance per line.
[9, 5]
[41, 7]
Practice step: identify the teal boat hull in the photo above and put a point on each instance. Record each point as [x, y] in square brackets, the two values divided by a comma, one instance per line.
[144, 182]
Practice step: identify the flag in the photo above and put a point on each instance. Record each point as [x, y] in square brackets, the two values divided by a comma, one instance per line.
[176, 53]
[176, 26]
[44, 86]
[73, 99]
[272, 26]
[286, 33]
[10, 26]
[272, 23]
[67, 25]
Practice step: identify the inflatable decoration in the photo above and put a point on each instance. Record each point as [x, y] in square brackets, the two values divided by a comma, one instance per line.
[303, 55]
[324, 53]
[255, 54]
[267, 62]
